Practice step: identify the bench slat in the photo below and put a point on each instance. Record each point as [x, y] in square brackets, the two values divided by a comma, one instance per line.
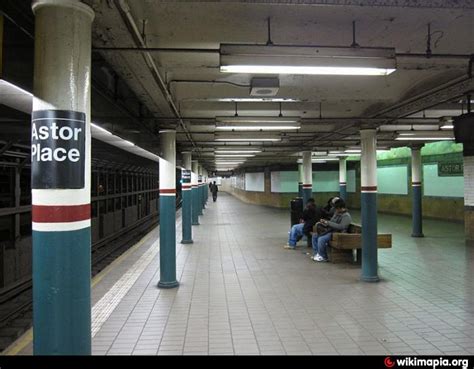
[354, 241]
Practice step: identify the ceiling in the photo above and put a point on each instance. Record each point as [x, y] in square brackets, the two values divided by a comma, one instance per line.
[176, 80]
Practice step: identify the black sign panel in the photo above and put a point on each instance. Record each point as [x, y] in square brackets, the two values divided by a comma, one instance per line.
[58, 142]
[186, 176]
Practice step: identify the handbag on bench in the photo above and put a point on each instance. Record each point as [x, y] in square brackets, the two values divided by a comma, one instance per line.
[321, 228]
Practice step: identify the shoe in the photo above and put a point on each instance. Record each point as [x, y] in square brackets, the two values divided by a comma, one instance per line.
[289, 247]
[319, 258]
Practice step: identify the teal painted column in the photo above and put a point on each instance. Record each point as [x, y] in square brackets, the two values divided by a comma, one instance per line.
[195, 192]
[201, 188]
[199, 193]
[186, 212]
[368, 163]
[342, 178]
[416, 182]
[167, 164]
[206, 186]
[60, 185]
[307, 177]
[300, 181]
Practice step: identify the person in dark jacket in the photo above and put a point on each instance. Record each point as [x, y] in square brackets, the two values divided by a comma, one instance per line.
[214, 191]
[309, 218]
[329, 210]
[340, 222]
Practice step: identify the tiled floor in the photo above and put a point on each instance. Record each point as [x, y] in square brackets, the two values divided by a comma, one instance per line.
[241, 293]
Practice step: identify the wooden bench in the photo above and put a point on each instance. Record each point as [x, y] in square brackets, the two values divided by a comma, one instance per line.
[346, 247]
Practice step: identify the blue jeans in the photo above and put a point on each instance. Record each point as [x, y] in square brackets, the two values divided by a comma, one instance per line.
[320, 244]
[296, 232]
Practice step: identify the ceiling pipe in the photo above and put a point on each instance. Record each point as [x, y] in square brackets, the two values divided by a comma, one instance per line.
[127, 17]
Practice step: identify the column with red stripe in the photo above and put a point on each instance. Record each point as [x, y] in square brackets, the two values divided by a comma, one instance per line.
[307, 177]
[368, 189]
[416, 189]
[186, 189]
[195, 192]
[167, 164]
[343, 178]
[200, 193]
[60, 179]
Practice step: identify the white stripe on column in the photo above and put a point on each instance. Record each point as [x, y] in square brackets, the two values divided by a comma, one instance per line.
[61, 227]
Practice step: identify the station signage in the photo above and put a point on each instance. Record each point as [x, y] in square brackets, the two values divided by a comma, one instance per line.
[57, 149]
[186, 176]
[447, 169]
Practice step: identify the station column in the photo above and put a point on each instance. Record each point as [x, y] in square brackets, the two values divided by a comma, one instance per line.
[206, 186]
[416, 188]
[200, 202]
[343, 178]
[195, 192]
[187, 199]
[307, 177]
[167, 209]
[468, 159]
[300, 180]
[368, 188]
[60, 178]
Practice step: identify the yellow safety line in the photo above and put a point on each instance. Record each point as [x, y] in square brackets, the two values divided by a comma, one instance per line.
[27, 337]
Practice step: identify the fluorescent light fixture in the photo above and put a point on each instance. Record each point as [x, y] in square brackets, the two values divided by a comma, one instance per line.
[258, 120]
[319, 153]
[447, 126]
[307, 60]
[353, 151]
[254, 99]
[425, 136]
[249, 139]
[100, 129]
[253, 127]
[234, 155]
[236, 151]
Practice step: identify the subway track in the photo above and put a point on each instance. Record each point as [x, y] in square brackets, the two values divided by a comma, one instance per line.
[16, 301]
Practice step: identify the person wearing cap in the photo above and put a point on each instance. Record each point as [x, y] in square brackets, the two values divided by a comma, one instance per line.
[329, 210]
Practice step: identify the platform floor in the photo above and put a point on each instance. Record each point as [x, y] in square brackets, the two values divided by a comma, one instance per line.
[241, 293]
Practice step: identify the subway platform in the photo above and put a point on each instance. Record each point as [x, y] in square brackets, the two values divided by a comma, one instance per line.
[242, 293]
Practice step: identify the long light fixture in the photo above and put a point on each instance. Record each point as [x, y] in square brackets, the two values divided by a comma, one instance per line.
[307, 60]
[255, 137]
[425, 136]
[253, 99]
[234, 155]
[276, 126]
[243, 151]
[258, 120]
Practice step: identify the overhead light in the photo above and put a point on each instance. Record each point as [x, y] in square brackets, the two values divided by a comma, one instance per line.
[258, 120]
[353, 151]
[425, 136]
[306, 60]
[236, 151]
[244, 126]
[319, 153]
[243, 138]
[446, 123]
[254, 99]
[99, 129]
[234, 155]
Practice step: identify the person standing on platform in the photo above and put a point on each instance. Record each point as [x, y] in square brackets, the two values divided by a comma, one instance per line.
[214, 190]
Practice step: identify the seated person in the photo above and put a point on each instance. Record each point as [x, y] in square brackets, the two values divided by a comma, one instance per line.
[340, 222]
[310, 216]
[329, 209]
